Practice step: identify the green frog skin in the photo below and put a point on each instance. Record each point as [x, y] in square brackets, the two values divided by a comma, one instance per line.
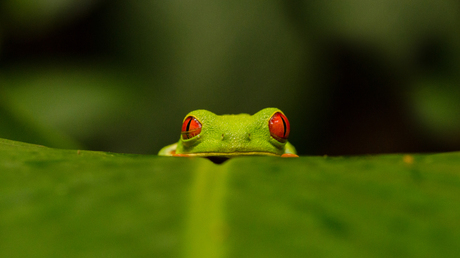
[205, 134]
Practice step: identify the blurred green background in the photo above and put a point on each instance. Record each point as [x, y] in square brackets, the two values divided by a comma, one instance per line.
[353, 77]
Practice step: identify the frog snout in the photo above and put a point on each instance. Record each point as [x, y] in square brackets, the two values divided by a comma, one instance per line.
[246, 137]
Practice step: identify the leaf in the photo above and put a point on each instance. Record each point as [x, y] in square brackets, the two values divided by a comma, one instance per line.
[71, 203]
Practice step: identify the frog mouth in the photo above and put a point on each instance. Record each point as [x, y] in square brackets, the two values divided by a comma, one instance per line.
[221, 157]
[227, 154]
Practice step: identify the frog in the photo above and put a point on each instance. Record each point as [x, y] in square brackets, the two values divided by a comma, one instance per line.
[221, 137]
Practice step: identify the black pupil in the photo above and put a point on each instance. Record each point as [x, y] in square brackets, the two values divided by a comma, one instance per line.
[188, 124]
[284, 128]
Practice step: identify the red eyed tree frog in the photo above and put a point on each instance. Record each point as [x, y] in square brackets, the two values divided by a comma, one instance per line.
[205, 134]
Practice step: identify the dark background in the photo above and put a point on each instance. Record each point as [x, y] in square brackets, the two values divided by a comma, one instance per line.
[353, 77]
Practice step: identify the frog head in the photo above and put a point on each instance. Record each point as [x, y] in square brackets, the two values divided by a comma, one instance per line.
[209, 135]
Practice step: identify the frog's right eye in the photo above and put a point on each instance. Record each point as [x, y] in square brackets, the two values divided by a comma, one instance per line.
[279, 127]
[190, 128]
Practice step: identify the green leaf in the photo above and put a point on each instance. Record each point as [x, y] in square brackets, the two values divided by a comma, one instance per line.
[71, 203]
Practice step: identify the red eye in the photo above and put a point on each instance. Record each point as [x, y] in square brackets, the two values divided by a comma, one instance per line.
[279, 127]
[190, 128]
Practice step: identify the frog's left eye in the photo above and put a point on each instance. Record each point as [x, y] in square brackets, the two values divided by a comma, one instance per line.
[190, 128]
[279, 127]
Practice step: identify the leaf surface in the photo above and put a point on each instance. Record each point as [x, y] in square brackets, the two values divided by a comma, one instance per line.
[72, 203]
